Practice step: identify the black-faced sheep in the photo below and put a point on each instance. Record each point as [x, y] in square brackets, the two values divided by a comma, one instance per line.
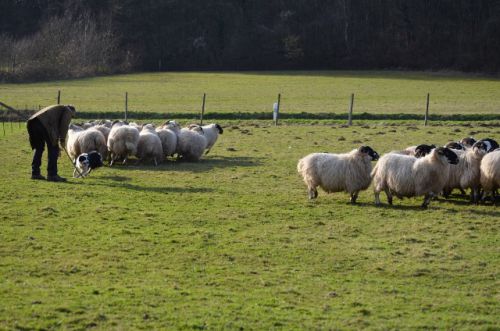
[122, 141]
[465, 174]
[490, 173]
[211, 133]
[456, 145]
[349, 172]
[418, 151]
[408, 176]
[190, 144]
[490, 144]
[149, 145]
[467, 142]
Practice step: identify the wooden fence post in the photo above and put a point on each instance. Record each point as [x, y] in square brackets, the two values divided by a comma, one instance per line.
[126, 105]
[59, 97]
[427, 110]
[202, 108]
[349, 117]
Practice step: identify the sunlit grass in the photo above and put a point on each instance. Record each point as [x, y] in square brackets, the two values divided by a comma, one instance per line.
[304, 91]
[233, 242]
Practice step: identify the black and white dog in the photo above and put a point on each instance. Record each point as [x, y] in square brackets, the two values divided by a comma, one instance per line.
[86, 162]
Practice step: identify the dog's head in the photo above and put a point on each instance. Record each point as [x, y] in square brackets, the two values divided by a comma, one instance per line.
[86, 162]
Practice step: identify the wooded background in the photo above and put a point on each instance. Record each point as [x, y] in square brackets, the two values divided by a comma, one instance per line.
[47, 39]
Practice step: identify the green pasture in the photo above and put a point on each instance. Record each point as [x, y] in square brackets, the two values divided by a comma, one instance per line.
[376, 92]
[232, 242]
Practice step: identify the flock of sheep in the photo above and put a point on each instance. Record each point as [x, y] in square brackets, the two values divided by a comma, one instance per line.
[119, 140]
[418, 170]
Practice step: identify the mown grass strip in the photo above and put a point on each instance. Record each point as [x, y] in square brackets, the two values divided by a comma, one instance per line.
[85, 115]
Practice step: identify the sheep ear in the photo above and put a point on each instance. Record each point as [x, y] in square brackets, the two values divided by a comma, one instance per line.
[440, 151]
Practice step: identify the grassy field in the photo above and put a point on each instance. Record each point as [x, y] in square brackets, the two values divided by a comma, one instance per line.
[232, 242]
[255, 92]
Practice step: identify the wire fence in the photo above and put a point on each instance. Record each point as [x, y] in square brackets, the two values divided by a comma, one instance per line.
[10, 115]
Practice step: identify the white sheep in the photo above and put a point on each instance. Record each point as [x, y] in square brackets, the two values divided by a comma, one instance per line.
[349, 172]
[168, 136]
[136, 125]
[122, 141]
[490, 173]
[104, 130]
[466, 174]
[408, 176]
[149, 145]
[211, 133]
[190, 144]
[83, 141]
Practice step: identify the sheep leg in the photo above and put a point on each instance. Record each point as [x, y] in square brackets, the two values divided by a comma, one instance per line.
[313, 193]
[156, 163]
[446, 193]
[427, 199]
[462, 191]
[474, 195]
[354, 197]
[389, 196]
[377, 198]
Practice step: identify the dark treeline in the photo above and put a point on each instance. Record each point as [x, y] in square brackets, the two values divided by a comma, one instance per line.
[73, 38]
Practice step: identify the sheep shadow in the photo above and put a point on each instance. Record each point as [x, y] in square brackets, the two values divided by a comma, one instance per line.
[435, 204]
[383, 206]
[203, 165]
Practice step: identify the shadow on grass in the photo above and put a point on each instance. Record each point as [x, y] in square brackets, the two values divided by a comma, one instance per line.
[378, 74]
[165, 190]
[437, 204]
[203, 165]
[387, 206]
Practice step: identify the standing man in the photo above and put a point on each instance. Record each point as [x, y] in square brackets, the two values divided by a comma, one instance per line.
[49, 127]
